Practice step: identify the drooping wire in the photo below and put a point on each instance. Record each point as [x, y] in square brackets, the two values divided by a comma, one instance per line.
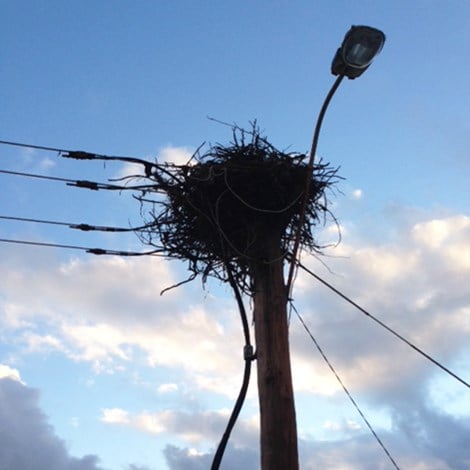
[325, 358]
[81, 226]
[382, 324]
[93, 251]
[248, 357]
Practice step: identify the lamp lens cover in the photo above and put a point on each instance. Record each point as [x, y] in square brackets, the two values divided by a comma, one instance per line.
[361, 45]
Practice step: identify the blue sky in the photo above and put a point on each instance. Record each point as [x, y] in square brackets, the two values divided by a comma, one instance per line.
[100, 372]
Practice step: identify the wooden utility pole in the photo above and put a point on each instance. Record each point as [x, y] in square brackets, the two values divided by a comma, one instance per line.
[276, 398]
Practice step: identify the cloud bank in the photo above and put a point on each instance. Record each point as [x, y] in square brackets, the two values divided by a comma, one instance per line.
[416, 283]
[27, 441]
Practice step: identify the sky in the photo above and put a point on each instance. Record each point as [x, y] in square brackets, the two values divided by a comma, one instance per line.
[97, 370]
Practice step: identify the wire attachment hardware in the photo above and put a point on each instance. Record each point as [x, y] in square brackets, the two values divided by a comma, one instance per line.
[248, 353]
[79, 155]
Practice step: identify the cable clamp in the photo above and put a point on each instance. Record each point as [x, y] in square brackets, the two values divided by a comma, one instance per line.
[97, 251]
[85, 184]
[79, 155]
[248, 353]
[84, 227]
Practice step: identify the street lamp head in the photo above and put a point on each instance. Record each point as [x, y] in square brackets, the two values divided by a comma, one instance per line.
[360, 47]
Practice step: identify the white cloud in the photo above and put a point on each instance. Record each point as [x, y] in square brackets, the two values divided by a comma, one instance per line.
[175, 155]
[193, 427]
[357, 194]
[417, 286]
[169, 154]
[434, 233]
[129, 169]
[114, 416]
[120, 314]
[167, 388]
[9, 373]
[42, 343]
[47, 163]
[97, 342]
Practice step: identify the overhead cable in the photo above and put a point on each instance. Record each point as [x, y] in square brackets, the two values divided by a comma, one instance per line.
[61, 151]
[382, 324]
[93, 185]
[93, 251]
[371, 429]
[83, 155]
[31, 146]
[81, 226]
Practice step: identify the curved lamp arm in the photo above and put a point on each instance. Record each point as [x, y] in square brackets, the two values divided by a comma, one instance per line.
[308, 180]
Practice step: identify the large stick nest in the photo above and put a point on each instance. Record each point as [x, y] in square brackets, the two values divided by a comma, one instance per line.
[216, 210]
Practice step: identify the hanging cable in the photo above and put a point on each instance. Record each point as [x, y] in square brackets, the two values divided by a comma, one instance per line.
[93, 251]
[248, 357]
[382, 324]
[84, 227]
[320, 350]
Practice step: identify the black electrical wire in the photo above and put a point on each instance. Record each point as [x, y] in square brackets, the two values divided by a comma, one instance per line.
[248, 357]
[34, 175]
[82, 155]
[81, 183]
[382, 324]
[31, 146]
[371, 429]
[75, 153]
[70, 182]
[81, 226]
[93, 251]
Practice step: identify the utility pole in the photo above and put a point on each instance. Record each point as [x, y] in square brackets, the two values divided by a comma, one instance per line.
[278, 424]
[276, 397]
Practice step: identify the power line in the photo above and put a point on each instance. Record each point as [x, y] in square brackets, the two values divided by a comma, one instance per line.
[31, 146]
[93, 251]
[93, 185]
[320, 350]
[381, 323]
[53, 149]
[70, 182]
[81, 226]
[35, 175]
[83, 155]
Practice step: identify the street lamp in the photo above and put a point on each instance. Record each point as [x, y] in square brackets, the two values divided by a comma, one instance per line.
[360, 47]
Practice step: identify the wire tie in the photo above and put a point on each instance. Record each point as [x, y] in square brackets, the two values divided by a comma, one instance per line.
[97, 251]
[85, 184]
[79, 155]
[85, 227]
[248, 354]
